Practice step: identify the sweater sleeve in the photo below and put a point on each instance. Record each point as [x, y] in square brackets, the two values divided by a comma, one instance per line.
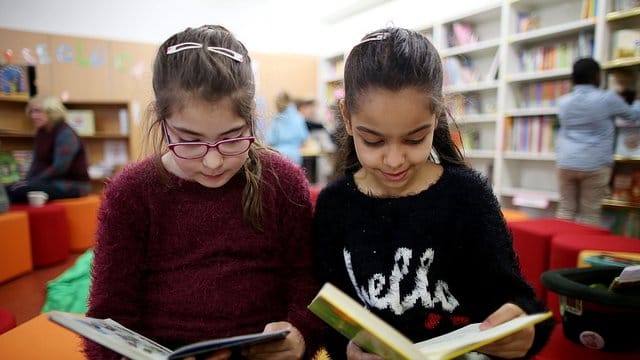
[328, 255]
[493, 249]
[295, 217]
[118, 258]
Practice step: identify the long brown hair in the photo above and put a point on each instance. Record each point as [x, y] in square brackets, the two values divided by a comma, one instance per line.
[199, 74]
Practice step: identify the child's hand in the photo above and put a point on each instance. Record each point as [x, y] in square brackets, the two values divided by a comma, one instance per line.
[218, 355]
[513, 346]
[291, 347]
[354, 352]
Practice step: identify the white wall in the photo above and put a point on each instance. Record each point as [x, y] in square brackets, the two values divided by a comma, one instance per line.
[272, 26]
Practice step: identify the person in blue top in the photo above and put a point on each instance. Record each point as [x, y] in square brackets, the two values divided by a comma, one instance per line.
[288, 130]
[585, 143]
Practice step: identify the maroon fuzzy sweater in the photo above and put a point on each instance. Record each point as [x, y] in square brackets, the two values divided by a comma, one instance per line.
[175, 262]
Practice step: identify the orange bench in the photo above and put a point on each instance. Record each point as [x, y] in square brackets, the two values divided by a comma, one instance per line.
[15, 245]
[40, 338]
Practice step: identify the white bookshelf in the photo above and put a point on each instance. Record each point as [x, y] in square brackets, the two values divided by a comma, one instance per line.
[518, 92]
[474, 99]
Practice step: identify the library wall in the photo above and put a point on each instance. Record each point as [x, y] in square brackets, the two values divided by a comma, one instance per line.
[91, 71]
[295, 74]
[88, 70]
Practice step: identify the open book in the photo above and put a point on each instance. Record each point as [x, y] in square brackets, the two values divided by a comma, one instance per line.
[118, 338]
[376, 336]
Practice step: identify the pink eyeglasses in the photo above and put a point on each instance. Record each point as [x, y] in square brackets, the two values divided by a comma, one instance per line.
[196, 150]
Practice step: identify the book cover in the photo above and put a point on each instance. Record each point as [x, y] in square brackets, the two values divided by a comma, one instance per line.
[374, 335]
[126, 342]
[82, 121]
[628, 141]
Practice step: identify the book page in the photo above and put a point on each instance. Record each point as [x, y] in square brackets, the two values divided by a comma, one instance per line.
[471, 337]
[112, 335]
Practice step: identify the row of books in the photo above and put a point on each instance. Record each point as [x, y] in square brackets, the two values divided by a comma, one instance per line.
[23, 159]
[555, 56]
[471, 104]
[623, 223]
[531, 134]
[459, 70]
[542, 94]
[589, 9]
[466, 139]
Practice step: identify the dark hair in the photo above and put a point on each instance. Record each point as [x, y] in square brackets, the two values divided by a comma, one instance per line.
[394, 60]
[586, 71]
[628, 95]
[203, 75]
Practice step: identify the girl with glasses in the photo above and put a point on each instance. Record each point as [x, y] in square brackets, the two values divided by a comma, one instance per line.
[210, 237]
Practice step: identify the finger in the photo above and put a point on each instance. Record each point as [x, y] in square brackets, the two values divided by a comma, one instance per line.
[219, 355]
[506, 312]
[275, 326]
[354, 352]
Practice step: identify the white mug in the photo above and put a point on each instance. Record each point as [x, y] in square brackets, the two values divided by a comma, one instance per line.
[37, 198]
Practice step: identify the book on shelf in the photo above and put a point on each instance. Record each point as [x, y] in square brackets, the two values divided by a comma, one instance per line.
[492, 74]
[624, 5]
[628, 141]
[625, 43]
[17, 81]
[609, 259]
[376, 336]
[462, 33]
[82, 121]
[126, 342]
[589, 9]
[527, 21]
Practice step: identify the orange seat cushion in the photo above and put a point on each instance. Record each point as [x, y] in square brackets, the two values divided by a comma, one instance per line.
[82, 216]
[15, 245]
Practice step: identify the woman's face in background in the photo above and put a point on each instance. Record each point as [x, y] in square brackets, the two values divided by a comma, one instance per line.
[38, 117]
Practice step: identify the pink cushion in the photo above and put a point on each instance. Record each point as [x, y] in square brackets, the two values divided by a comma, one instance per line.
[7, 321]
[531, 241]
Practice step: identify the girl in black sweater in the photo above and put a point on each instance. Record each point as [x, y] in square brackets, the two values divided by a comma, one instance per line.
[408, 229]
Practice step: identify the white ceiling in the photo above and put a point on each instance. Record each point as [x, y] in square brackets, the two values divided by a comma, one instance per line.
[287, 26]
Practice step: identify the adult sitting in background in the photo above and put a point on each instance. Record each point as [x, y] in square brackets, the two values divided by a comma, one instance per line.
[287, 131]
[59, 165]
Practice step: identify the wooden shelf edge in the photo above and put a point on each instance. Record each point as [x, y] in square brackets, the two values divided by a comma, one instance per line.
[620, 204]
[619, 63]
[623, 14]
[14, 97]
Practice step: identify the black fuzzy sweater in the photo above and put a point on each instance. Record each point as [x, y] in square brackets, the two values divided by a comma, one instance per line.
[427, 263]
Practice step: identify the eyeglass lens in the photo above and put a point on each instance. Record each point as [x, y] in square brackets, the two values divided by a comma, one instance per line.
[231, 147]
